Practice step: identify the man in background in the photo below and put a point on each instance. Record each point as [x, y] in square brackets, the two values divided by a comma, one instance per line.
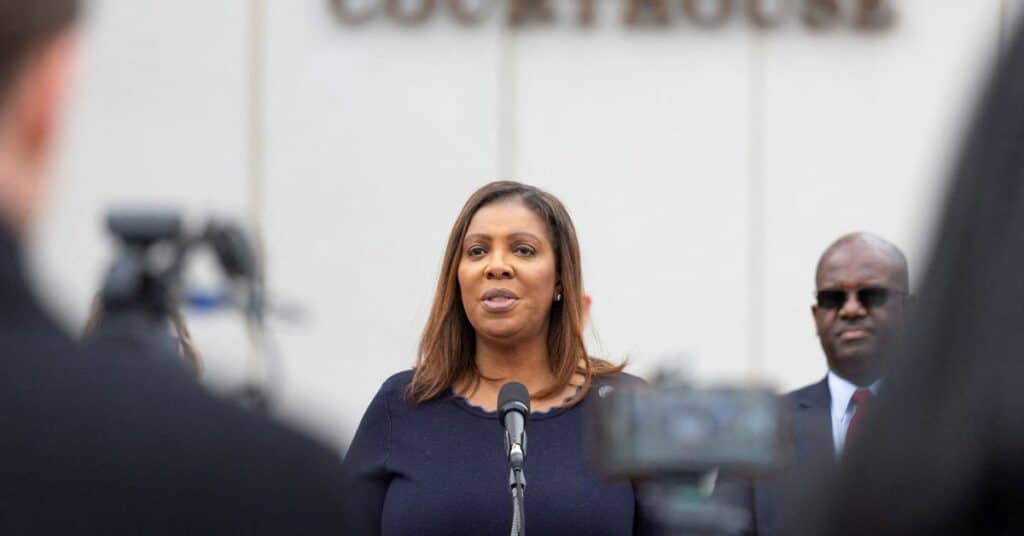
[862, 286]
[944, 455]
[93, 441]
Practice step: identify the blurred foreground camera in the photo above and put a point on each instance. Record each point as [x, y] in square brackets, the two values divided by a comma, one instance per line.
[673, 438]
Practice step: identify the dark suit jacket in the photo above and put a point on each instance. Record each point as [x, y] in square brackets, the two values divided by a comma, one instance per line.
[775, 501]
[101, 442]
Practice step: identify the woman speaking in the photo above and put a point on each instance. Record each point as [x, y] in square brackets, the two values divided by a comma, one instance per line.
[427, 457]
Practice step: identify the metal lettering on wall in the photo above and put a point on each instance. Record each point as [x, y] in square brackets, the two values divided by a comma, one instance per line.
[818, 14]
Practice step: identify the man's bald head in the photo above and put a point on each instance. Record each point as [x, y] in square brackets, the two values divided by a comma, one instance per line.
[870, 246]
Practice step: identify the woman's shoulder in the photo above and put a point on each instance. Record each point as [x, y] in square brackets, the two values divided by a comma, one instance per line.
[397, 382]
[395, 391]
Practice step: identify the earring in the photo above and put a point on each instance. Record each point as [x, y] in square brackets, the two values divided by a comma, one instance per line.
[558, 297]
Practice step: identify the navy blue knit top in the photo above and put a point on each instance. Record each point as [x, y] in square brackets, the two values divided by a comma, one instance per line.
[439, 468]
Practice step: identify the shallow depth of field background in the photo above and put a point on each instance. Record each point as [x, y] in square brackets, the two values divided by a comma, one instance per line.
[706, 169]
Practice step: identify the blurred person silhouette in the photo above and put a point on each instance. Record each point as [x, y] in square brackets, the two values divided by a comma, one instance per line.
[944, 449]
[427, 457]
[861, 297]
[98, 442]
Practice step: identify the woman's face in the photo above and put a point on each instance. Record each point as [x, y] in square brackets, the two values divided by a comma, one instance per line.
[507, 272]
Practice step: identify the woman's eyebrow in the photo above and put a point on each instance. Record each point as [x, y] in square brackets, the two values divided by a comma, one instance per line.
[524, 234]
[511, 236]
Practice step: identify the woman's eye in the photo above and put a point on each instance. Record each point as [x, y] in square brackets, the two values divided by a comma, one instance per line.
[475, 251]
[525, 250]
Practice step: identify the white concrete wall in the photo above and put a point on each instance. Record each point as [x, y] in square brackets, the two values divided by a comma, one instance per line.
[705, 169]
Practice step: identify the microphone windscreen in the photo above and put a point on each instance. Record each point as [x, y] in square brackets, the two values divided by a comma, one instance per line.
[513, 397]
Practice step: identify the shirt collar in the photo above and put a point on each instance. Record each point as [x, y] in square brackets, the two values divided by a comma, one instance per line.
[841, 390]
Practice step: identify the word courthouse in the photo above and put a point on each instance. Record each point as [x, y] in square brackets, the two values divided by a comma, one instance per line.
[865, 14]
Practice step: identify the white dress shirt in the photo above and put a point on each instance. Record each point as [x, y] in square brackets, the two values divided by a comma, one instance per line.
[843, 408]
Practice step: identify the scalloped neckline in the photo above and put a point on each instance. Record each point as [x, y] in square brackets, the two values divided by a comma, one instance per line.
[480, 411]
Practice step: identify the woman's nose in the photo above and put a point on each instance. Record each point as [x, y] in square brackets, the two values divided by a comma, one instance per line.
[497, 268]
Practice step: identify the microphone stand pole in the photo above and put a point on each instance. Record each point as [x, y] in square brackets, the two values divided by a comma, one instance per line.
[517, 482]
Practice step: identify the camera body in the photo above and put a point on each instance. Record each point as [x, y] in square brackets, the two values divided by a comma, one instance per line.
[673, 437]
[679, 432]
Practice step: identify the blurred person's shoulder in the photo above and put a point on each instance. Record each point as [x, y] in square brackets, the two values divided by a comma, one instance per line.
[107, 416]
[145, 389]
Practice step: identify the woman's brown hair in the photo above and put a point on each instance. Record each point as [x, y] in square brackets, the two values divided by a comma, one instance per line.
[448, 344]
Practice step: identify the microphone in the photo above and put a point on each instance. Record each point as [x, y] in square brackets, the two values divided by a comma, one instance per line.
[514, 411]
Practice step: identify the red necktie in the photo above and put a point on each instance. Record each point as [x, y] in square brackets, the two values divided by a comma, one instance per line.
[861, 401]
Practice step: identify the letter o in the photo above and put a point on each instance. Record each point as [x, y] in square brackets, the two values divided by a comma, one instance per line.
[365, 10]
[471, 11]
[768, 17]
[401, 11]
[875, 14]
[821, 13]
[700, 14]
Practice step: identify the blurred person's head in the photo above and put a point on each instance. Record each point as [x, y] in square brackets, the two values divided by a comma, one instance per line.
[862, 286]
[36, 52]
[511, 273]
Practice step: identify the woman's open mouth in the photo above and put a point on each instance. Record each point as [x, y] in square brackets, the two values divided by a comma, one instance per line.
[499, 300]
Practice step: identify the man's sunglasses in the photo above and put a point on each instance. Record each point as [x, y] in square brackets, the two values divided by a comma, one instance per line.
[868, 297]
